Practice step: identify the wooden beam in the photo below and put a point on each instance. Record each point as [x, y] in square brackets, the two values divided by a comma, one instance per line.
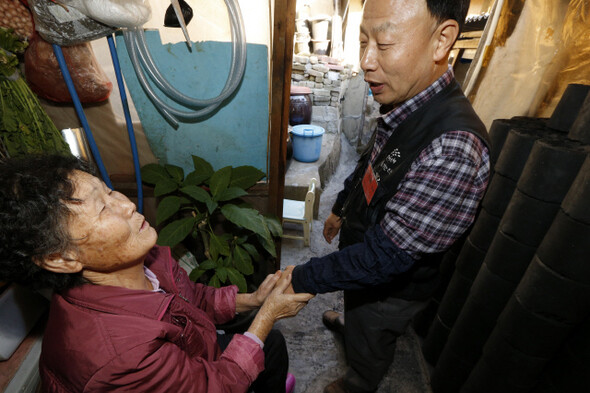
[471, 43]
[280, 86]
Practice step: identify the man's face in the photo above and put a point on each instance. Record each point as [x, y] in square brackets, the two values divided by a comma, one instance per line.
[396, 48]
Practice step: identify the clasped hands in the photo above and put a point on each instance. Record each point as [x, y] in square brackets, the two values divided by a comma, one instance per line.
[275, 289]
[276, 300]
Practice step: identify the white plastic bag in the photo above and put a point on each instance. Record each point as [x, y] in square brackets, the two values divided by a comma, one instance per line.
[116, 13]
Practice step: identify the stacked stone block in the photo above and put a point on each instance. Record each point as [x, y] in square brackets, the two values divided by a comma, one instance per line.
[327, 79]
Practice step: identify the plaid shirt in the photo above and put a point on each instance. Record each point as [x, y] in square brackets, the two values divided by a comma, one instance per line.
[437, 200]
[435, 203]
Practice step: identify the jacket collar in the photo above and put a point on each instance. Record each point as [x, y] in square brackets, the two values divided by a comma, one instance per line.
[118, 300]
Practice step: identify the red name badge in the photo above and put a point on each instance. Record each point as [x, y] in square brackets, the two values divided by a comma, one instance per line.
[369, 183]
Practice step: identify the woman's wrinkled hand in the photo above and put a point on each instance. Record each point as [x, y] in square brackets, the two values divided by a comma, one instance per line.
[260, 295]
[331, 227]
[279, 304]
[252, 301]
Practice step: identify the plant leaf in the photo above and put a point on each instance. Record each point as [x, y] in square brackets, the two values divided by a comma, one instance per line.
[176, 231]
[227, 262]
[251, 249]
[219, 182]
[214, 282]
[245, 176]
[241, 239]
[197, 193]
[243, 261]
[175, 172]
[199, 217]
[196, 273]
[202, 167]
[236, 278]
[167, 208]
[231, 193]
[154, 173]
[194, 179]
[274, 225]
[165, 186]
[207, 264]
[218, 245]
[221, 273]
[246, 218]
[185, 201]
[268, 244]
[211, 206]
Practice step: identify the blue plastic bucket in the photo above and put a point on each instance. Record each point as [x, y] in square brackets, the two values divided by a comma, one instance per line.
[307, 142]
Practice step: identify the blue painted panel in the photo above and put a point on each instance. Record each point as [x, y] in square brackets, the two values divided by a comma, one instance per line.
[236, 134]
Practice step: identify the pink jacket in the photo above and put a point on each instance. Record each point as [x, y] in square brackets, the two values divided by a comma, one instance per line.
[105, 339]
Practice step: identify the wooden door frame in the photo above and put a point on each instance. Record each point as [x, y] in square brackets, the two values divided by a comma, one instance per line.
[281, 59]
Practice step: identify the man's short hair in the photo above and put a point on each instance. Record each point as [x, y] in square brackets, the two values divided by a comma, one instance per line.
[449, 9]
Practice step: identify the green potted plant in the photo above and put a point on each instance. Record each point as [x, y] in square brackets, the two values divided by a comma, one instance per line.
[207, 206]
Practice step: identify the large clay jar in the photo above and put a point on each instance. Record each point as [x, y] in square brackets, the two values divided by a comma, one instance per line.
[300, 106]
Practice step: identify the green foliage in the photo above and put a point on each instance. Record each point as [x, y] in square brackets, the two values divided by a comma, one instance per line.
[192, 204]
[25, 128]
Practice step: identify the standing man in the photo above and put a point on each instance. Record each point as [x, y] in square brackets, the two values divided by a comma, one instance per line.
[414, 191]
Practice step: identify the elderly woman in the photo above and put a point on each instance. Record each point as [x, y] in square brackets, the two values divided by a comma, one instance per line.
[124, 316]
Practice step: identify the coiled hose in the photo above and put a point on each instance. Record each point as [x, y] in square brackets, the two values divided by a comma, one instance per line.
[143, 63]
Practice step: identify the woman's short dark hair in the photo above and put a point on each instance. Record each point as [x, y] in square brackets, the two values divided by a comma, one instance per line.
[449, 9]
[34, 192]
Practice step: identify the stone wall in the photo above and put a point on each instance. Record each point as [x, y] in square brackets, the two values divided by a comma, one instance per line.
[328, 80]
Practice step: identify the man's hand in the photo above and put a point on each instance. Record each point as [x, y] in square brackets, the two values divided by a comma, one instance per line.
[332, 227]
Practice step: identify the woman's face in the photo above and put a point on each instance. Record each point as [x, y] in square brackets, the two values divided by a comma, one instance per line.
[108, 232]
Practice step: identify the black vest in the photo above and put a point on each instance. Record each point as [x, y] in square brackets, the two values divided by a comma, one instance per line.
[448, 110]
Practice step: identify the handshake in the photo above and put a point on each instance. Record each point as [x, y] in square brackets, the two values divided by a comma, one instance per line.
[275, 299]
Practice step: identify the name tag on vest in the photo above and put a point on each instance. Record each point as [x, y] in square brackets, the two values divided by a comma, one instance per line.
[369, 184]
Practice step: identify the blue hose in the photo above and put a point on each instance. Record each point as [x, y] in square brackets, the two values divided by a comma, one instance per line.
[78, 106]
[128, 121]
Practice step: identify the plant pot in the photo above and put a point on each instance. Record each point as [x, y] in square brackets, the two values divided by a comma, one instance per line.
[301, 26]
[319, 27]
[300, 105]
[302, 46]
[320, 47]
[302, 37]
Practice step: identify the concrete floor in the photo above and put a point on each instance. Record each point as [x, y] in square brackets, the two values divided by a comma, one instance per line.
[317, 354]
